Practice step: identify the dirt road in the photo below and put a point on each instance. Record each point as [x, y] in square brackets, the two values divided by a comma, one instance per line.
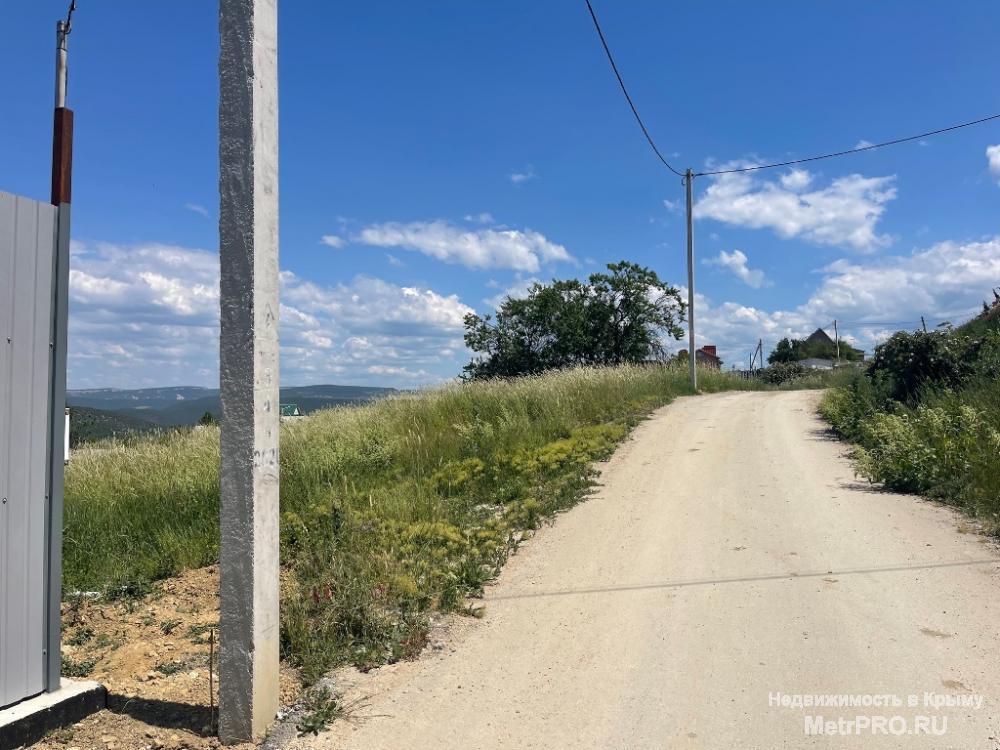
[730, 559]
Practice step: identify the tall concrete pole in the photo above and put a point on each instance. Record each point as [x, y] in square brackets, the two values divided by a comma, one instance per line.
[836, 335]
[248, 367]
[62, 189]
[692, 355]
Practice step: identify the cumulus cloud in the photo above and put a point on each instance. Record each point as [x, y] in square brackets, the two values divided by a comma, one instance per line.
[736, 263]
[796, 179]
[993, 157]
[148, 315]
[528, 173]
[946, 282]
[331, 240]
[519, 250]
[844, 213]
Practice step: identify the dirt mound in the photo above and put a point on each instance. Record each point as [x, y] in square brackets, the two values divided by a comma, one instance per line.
[152, 653]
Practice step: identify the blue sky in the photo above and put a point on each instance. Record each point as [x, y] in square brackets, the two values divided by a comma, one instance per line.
[451, 152]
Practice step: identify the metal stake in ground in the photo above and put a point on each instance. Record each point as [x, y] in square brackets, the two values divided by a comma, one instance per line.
[248, 367]
[692, 355]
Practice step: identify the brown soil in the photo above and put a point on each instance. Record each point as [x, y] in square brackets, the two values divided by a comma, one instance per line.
[152, 654]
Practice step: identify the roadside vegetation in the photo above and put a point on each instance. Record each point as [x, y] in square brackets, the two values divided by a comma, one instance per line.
[926, 415]
[389, 511]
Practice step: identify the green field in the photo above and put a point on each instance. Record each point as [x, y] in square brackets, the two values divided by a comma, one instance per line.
[389, 510]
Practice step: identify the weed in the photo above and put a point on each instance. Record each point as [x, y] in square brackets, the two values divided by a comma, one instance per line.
[127, 591]
[199, 634]
[171, 667]
[62, 735]
[322, 708]
[104, 640]
[82, 635]
[169, 626]
[926, 416]
[73, 668]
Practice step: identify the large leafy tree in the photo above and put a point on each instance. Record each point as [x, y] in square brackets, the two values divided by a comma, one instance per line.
[619, 316]
[795, 350]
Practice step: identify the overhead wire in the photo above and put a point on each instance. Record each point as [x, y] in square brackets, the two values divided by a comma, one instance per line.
[69, 17]
[773, 165]
[847, 152]
[621, 82]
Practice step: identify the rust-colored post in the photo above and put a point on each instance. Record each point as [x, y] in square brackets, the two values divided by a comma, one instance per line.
[62, 129]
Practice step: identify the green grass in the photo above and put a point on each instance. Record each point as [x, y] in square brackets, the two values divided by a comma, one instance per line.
[820, 379]
[389, 511]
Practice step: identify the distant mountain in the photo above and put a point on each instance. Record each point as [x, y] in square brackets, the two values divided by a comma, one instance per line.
[88, 425]
[185, 405]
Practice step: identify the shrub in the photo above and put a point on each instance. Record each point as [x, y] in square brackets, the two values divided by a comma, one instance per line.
[932, 450]
[926, 416]
[908, 363]
[782, 372]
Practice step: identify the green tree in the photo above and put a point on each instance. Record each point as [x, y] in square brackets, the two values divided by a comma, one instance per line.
[614, 317]
[787, 350]
[207, 419]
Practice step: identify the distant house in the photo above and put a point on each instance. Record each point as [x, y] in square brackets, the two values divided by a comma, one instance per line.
[820, 337]
[290, 410]
[706, 357]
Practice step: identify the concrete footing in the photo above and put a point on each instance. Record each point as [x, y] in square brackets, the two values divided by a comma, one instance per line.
[28, 721]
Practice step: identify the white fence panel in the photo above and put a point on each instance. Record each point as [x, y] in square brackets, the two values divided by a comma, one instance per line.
[27, 256]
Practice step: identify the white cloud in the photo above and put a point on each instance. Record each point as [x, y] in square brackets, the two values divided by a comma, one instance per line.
[148, 315]
[863, 144]
[519, 250]
[197, 208]
[871, 301]
[523, 176]
[844, 213]
[672, 206]
[394, 261]
[796, 179]
[331, 240]
[481, 218]
[993, 157]
[736, 263]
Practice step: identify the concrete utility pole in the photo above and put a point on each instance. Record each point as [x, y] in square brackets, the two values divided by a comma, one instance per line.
[248, 367]
[836, 335]
[692, 356]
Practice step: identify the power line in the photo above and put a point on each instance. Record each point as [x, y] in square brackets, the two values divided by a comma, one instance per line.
[69, 17]
[858, 150]
[614, 67]
[758, 167]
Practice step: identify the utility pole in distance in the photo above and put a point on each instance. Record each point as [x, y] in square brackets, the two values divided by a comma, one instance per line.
[692, 357]
[248, 367]
[836, 335]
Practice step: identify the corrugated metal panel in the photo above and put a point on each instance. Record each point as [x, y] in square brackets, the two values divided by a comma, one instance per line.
[27, 246]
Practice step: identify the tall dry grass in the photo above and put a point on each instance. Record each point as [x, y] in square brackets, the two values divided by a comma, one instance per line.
[389, 510]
